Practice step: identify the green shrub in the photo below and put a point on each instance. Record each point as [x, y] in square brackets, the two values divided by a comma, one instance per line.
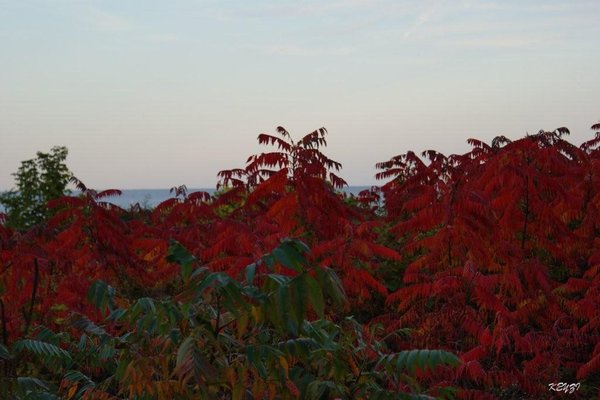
[38, 180]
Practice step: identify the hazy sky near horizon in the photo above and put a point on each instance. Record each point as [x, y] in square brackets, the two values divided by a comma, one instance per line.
[153, 94]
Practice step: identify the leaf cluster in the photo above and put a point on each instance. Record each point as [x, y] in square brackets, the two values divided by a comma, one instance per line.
[38, 180]
[263, 336]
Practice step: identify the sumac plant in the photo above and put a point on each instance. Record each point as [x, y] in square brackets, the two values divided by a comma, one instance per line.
[502, 248]
[263, 336]
[280, 286]
[290, 192]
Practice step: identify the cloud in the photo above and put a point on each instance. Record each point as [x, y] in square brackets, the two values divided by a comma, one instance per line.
[299, 51]
[106, 21]
[472, 23]
[352, 9]
[500, 42]
[533, 7]
[161, 37]
[422, 18]
[318, 8]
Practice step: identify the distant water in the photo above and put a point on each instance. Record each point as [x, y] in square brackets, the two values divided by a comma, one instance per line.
[153, 197]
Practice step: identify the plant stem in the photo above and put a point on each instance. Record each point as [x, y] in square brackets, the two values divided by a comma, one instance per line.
[523, 238]
[3, 316]
[28, 316]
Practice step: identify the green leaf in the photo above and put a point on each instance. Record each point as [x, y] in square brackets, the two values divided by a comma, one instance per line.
[412, 359]
[45, 350]
[269, 261]
[82, 342]
[234, 300]
[315, 295]
[27, 384]
[298, 294]
[299, 347]
[317, 389]
[199, 271]
[283, 307]
[331, 284]
[82, 322]
[209, 281]
[4, 353]
[101, 295]
[184, 351]
[250, 273]
[121, 368]
[116, 314]
[46, 335]
[257, 355]
[177, 253]
[254, 358]
[278, 280]
[284, 258]
[78, 377]
[290, 254]
[147, 305]
[107, 352]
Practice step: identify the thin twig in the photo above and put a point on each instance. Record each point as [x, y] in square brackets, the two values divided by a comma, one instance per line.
[28, 316]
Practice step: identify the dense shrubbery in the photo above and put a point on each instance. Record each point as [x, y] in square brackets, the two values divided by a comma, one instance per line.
[492, 255]
[264, 336]
[38, 181]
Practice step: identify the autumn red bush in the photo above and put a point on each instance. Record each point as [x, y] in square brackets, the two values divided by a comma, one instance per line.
[502, 244]
[493, 254]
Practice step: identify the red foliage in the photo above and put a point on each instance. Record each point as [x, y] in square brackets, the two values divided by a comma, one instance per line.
[502, 243]
[498, 250]
[298, 200]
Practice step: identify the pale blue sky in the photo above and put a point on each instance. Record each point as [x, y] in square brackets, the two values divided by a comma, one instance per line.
[150, 94]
